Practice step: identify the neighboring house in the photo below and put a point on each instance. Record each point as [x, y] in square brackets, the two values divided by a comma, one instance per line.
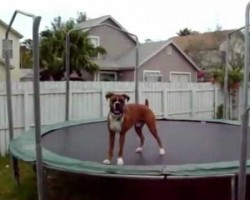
[208, 49]
[14, 36]
[158, 61]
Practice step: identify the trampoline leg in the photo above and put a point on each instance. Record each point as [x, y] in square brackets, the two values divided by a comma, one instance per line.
[15, 166]
[45, 175]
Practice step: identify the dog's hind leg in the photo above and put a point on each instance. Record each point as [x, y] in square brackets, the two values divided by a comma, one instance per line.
[138, 130]
[151, 124]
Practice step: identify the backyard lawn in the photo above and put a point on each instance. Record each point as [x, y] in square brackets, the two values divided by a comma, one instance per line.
[59, 185]
[9, 190]
[67, 187]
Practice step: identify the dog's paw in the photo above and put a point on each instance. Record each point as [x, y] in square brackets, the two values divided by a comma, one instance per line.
[161, 151]
[138, 150]
[120, 161]
[106, 161]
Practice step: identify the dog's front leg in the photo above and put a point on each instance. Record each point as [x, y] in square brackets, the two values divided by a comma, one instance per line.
[120, 152]
[111, 147]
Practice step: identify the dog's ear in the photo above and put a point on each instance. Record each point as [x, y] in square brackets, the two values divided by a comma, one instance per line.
[126, 97]
[109, 94]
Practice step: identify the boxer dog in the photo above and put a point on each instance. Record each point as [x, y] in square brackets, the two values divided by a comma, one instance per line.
[122, 117]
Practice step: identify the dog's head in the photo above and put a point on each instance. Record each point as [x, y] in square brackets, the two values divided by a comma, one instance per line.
[117, 102]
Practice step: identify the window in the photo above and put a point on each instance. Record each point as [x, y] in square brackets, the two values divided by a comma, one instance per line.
[152, 76]
[95, 40]
[180, 77]
[7, 45]
[107, 76]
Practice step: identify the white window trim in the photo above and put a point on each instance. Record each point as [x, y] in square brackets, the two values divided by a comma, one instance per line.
[8, 48]
[98, 42]
[184, 73]
[148, 71]
[95, 37]
[105, 72]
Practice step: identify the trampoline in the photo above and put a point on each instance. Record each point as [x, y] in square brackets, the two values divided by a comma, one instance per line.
[193, 148]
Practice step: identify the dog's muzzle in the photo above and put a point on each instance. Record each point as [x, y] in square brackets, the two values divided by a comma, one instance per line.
[117, 108]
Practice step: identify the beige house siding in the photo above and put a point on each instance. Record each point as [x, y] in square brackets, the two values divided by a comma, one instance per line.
[15, 61]
[169, 62]
[165, 63]
[115, 42]
[127, 75]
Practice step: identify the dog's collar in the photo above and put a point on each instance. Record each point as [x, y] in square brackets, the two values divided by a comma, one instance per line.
[117, 117]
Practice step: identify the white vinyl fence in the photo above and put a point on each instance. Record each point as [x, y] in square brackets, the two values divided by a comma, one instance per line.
[87, 101]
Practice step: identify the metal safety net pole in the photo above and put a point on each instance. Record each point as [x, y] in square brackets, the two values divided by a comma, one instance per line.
[245, 117]
[35, 30]
[227, 66]
[37, 112]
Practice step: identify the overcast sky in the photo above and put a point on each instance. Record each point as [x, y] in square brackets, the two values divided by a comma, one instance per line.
[153, 19]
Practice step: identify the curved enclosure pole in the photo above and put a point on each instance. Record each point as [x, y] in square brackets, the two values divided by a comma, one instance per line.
[137, 72]
[245, 116]
[225, 113]
[37, 115]
[67, 52]
[67, 55]
[36, 23]
[227, 65]
[13, 161]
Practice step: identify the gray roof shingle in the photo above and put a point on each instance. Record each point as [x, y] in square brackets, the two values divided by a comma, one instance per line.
[145, 51]
[92, 22]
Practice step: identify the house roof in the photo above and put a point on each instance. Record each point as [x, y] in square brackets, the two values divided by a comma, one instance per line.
[12, 30]
[199, 42]
[149, 50]
[97, 21]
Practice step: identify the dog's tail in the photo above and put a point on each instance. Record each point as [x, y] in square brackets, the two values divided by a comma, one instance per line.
[146, 102]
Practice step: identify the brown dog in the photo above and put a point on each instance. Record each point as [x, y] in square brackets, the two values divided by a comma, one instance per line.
[122, 117]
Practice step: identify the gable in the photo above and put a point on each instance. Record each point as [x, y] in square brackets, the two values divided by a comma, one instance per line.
[169, 56]
[168, 60]
[114, 41]
[90, 24]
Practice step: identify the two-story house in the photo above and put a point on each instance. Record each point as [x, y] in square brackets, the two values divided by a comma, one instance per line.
[14, 37]
[158, 61]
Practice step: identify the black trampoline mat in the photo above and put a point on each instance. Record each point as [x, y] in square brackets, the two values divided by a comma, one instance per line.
[185, 142]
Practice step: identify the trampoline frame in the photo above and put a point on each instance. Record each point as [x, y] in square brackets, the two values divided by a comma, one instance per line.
[53, 160]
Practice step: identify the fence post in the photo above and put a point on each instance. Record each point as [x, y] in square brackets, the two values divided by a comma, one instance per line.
[215, 100]
[26, 108]
[70, 104]
[239, 103]
[140, 92]
[193, 102]
[102, 102]
[165, 103]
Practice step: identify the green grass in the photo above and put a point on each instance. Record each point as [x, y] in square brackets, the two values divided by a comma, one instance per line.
[67, 187]
[8, 188]
[58, 184]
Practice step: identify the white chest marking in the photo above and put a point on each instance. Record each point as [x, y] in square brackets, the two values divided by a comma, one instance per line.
[115, 125]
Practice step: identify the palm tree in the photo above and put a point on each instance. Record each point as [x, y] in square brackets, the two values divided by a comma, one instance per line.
[186, 31]
[52, 49]
[26, 54]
